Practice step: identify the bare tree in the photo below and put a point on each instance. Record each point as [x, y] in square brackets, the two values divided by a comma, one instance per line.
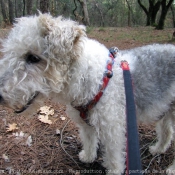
[3, 8]
[44, 6]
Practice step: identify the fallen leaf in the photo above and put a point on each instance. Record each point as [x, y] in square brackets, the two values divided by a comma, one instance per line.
[46, 110]
[20, 134]
[12, 127]
[22, 152]
[63, 118]
[29, 141]
[6, 158]
[23, 138]
[58, 131]
[44, 119]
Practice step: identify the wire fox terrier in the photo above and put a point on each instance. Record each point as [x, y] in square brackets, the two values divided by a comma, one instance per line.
[46, 57]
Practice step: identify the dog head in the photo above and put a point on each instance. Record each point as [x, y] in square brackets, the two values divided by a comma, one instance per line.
[37, 56]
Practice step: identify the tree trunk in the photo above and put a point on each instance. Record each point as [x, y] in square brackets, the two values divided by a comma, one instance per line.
[101, 15]
[37, 4]
[16, 9]
[5, 19]
[161, 23]
[85, 18]
[44, 6]
[152, 11]
[29, 7]
[155, 9]
[129, 13]
[173, 14]
[86, 15]
[24, 7]
[164, 12]
[52, 7]
[11, 11]
[146, 12]
[77, 16]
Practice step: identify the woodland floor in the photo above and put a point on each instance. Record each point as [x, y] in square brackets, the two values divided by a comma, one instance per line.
[52, 152]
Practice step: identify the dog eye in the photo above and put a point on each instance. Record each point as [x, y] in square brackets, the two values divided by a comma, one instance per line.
[32, 59]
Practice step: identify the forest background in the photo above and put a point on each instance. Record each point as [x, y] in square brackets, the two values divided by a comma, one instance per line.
[104, 13]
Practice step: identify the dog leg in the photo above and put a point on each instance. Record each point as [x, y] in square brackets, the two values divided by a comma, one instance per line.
[171, 169]
[113, 159]
[165, 131]
[88, 136]
[90, 144]
[113, 148]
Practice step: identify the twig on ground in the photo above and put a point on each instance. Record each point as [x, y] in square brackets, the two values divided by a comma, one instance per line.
[146, 146]
[61, 144]
[151, 161]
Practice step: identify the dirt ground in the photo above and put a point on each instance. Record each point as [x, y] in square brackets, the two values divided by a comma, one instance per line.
[34, 147]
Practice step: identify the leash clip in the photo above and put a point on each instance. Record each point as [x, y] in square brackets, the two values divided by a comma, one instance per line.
[124, 65]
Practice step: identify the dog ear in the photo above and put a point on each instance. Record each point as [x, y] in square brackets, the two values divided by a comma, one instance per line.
[63, 34]
[79, 31]
[62, 26]
[44, 23]
[49, 24]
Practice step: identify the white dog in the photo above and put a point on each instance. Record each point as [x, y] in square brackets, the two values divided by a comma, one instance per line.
[46, 57]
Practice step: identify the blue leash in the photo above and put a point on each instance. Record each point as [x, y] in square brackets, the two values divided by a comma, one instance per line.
[134, 166]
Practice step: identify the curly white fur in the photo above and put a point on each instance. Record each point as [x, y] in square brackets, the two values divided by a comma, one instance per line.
[69, 68]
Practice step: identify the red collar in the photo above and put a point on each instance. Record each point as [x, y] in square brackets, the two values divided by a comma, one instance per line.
[107, 75]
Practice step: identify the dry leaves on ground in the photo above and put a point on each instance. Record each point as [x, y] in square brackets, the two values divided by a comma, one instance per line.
[12, 127]
[45, 112]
